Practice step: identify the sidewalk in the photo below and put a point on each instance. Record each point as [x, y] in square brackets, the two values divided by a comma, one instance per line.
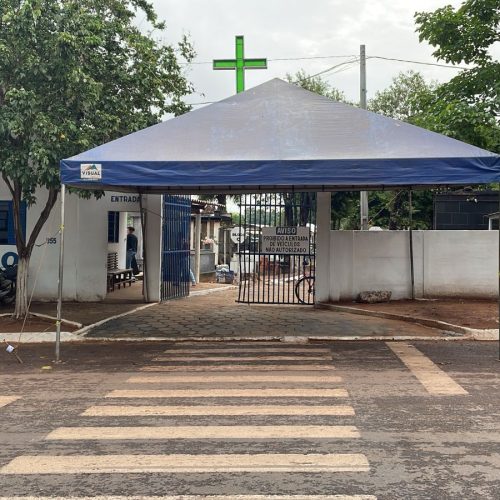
[218, 317]
[206, 315]
[85, 313]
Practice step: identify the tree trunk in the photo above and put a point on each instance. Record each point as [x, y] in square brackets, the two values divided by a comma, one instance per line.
[22, 288]
[25, 245]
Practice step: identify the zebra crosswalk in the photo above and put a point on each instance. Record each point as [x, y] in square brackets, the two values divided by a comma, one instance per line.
[229, 381]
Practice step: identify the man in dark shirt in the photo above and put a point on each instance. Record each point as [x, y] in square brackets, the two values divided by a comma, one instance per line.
[130, 262]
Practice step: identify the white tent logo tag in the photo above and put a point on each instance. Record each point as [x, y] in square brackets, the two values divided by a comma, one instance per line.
[91, 171]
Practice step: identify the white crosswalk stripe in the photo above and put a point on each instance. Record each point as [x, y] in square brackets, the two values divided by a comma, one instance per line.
[232, 378]
[206, 432]
[131, 464]
[435, 380]
[6, 400]
[235, 368]
[229, 393]
[302, 378]
[219, 410]
[236, 359]
[251, 350]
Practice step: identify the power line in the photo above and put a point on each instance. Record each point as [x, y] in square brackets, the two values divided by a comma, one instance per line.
[309, 77]
[343, 66]
[417, 62]
[305, 58]
[310, 58]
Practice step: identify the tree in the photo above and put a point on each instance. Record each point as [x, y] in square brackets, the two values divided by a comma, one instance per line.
[317, 85]
[75, 74]
[466, 107]
[345, 205]
[406, 97]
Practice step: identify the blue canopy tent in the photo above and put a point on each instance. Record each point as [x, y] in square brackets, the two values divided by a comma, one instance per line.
[278, 137]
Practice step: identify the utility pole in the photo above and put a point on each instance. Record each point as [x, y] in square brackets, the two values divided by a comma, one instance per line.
[363, 195]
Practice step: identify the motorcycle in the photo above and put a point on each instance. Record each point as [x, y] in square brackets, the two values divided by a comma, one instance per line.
[8, 277]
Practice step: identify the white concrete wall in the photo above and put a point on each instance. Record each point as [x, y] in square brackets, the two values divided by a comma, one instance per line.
[461, 263]
[447, 263]
[153, 205]
[86, 245]
[323, 246]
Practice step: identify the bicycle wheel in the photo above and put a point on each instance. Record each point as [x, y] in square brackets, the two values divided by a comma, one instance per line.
[304, 290]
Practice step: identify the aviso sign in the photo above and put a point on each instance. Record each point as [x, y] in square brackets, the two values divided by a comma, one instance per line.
[285, 240]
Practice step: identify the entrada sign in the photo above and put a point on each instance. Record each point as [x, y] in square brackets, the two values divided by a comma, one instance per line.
[287, 240]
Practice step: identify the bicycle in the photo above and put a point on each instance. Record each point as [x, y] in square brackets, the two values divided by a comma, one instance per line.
[304, 288]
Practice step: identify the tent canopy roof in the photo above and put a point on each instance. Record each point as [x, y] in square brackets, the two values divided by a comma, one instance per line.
[278, 136]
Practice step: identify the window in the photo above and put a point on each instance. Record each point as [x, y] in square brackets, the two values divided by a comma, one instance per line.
[113, 227]
[7, 234]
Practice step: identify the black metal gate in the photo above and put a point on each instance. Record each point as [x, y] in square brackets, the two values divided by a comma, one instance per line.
[277, 257]
[175, 265]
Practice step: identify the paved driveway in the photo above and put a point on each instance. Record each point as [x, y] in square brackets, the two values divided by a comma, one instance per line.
[218, 315]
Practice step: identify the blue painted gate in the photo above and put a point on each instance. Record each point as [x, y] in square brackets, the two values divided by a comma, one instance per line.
[175, 247]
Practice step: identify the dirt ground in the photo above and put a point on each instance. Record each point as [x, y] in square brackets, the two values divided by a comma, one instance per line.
[32, 324]
[464, 312]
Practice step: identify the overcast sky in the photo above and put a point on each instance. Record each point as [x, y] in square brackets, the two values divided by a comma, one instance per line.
[299, 28]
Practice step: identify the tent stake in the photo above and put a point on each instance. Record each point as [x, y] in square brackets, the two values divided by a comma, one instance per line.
[60, 279]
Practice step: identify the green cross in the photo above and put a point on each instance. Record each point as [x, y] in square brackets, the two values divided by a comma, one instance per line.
[240, 64]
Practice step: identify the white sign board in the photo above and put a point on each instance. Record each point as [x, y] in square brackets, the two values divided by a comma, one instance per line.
[285, 240]
[91, 171]
[238, 234]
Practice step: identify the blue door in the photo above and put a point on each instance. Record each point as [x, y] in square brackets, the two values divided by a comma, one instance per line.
[175, 246]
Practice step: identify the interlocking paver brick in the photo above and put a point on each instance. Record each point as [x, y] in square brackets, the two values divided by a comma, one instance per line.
[218, 315]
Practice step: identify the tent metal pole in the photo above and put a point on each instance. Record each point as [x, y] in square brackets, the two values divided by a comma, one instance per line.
[499, 270]
[144, 250]
[60, 279]
[197, 246]
[412, 263]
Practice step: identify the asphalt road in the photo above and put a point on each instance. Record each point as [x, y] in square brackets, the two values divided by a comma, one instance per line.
[346, 420]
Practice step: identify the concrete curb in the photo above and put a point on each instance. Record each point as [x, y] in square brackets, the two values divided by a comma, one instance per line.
[468, 333]
[46, 316]
[67, 337]
[199, 293]
[37, 337]
[82, 331]
[66, 321]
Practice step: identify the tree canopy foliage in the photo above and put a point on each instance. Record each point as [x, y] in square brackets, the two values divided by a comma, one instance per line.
[316, 84]
[467, 107]
[75, 74]
[406, 97]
